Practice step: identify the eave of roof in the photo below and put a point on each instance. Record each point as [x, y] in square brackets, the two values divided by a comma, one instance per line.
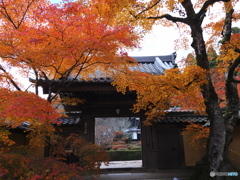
[173, 117]
[151, 59]
[68, 121]
[180, 116]
[148, 64]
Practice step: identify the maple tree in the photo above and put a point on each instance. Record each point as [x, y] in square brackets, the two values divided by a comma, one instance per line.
[22, 167]
[62, 41]
[156, 93]
[106, 127]
[149, 86]
[85, 155]
[65, 42]
[198, 134]
[17, 109]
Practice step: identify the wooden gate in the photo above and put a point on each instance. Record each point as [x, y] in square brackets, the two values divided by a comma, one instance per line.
[170, 148]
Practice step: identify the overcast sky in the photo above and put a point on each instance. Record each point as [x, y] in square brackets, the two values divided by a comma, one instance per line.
[160, 41]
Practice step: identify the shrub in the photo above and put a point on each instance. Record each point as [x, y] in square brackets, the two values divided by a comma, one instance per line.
[124, 155]
[118, 143]
[135, 148]
[88, 155]
[122, 149]
[121, 142]
[118, 135]
[115, 147]
[115, 139]
[109, 147]
[18, 166]
[114, 142]
[126, 140]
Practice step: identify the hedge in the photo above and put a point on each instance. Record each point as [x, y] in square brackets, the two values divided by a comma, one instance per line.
[125, 155]
[116, 147]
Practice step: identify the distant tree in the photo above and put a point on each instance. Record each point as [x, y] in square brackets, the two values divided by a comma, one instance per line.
[59, 42]
[235, 30]
[105, 129]
[188, 17]
[212, 57]
[47, 42]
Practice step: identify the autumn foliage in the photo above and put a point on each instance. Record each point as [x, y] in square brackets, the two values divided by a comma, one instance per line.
[158, 93]
[22, 167]
[192, 19]
[71, 157]
[67, 41]
[198, 134]
[28, 110]
[85, 154]
[73, 40]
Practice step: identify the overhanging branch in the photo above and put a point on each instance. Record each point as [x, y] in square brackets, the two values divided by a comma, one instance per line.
[207, 4]
[10, 79]
[231, 70]
[169, 17]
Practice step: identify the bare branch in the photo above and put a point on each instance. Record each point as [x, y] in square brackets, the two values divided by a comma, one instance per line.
[10, 79]
[148, 8]
[7, 15]
[207, 4]
[237, 50]
[169, 17]
[231, 70]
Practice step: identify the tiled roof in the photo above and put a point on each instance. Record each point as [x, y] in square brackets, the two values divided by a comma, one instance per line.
[24, 126]
[170, 118]
[184, 117]
[63, 121]
[151, 59]
[155, 64]
[96, 79]
[69, 121]
[177, 119]
[148, 64]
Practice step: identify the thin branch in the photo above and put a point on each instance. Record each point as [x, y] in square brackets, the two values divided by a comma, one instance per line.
[6, 15]
[237, 50]
[10, 79]
[231, 70]
[207, 4]
[169, 17]
[148, 8]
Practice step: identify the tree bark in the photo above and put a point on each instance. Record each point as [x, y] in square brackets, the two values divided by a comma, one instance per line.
[221, 127]
[231, 115]
[217, 136]
[216, 143]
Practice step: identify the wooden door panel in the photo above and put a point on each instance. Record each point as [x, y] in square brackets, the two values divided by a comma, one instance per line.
[169, 149]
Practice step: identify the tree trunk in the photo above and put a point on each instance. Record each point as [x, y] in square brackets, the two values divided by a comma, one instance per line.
[222, 127]
[216, 144]
[231, 117]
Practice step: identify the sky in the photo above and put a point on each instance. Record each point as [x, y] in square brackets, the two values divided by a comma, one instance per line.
[160, 41]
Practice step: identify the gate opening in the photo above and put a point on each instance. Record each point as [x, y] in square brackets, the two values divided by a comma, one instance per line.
[122, 138]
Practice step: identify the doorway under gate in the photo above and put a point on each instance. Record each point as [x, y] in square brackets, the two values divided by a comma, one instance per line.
[122, 138]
